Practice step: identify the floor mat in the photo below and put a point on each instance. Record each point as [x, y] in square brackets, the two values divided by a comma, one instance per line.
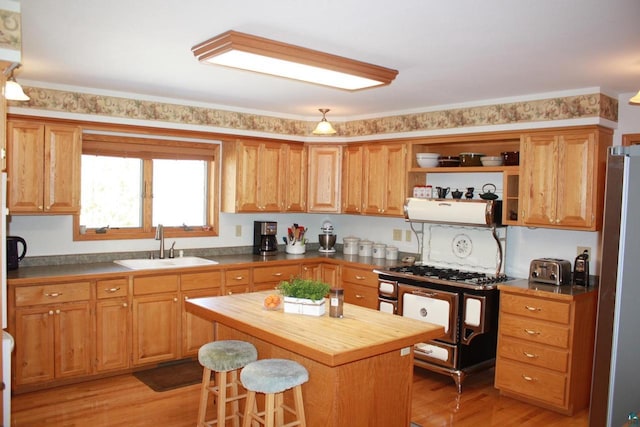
[171, 375]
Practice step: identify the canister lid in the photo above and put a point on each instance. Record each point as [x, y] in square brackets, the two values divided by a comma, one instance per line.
[350, 239]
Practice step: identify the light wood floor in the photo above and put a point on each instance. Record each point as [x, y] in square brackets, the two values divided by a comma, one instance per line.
[124, 401]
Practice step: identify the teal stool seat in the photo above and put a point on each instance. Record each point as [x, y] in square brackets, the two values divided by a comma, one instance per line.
[273, 377]
[223, 358]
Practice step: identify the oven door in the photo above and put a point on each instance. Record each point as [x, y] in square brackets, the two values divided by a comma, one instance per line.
[430, 305]
[387, 305]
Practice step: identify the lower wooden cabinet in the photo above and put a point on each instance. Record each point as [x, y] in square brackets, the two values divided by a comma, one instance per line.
[195, 330]
[268, 278]
[360, 286]
[545, 347]
[53, 332]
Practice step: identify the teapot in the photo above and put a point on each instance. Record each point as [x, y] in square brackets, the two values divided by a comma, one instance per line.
[488, 192]
[469, 193]
[442, 192]
[456, 194]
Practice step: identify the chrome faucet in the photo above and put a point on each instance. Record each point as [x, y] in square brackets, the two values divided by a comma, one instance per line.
[160, 236]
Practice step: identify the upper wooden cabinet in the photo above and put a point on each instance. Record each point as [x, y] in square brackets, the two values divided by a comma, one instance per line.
[43, 168]
[384, 176]
[351, 197]
[324, 178]
[562, 178]
[263, 176]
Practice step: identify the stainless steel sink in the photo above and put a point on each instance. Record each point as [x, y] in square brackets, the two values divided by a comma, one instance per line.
[152, 264]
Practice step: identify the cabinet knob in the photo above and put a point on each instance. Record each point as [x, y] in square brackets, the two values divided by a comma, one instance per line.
[186, 297]
[125, 305]
[175, 299]
[58, 311]
[50, 312]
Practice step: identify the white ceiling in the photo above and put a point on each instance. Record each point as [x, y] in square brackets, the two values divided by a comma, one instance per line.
[447, 52]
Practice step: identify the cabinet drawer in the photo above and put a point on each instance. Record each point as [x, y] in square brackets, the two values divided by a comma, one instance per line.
[208, 280]
[533, 354]
[358, 275]
[540, 332]
[235, 289]
[362, 295]
[236, 277]
[526, 380]
[535, 308]
[155, 284]
[275, 274]
[112, 288]
[52, 294]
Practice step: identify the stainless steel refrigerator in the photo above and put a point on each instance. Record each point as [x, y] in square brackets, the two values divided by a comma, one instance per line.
[615, 391]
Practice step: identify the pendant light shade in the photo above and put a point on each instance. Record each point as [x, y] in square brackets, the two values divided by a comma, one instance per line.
[635, 99]
[12, 89]
[324, 127]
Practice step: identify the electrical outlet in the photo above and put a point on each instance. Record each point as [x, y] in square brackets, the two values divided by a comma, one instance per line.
[407, 235]
[581, 250]
[397, 235]
[238, 231]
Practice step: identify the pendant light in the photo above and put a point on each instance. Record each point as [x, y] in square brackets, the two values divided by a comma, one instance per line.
[635, 99]
[12, 89]
[324, 127]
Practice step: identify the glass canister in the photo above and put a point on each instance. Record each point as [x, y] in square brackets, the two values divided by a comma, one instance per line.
[379, 250]
[336, 301]
[350, 245]
[365, 248]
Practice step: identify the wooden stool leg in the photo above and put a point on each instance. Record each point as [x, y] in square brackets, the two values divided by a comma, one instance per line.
[234, 393]
[279, 409]
[204, 396]
[221, 383]
[249, 408]
[269, 410]
[299, 405]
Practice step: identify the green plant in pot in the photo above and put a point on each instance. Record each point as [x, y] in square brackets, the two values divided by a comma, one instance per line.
[298, 287]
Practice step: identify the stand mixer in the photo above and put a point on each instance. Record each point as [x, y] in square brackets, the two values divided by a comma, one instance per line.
[327, 239]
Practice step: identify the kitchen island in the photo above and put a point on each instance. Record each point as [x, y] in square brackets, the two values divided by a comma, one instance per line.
[360, 366]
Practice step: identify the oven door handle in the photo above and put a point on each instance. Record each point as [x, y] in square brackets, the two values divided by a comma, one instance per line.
[424, 293]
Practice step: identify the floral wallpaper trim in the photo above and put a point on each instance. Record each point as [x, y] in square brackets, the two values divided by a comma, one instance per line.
[570, 107]
[10, 30]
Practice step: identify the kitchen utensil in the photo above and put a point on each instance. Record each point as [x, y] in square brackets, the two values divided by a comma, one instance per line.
[442, 192]
[511, 158]
[14, 256]
[553, 271]
[488, 192]
[456, 194]
[470, 159]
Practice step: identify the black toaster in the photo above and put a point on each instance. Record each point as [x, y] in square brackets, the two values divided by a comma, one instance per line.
[550, 270]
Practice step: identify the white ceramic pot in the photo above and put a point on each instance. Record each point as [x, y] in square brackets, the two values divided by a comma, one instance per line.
[365, 248]
[350, 245]
[379, 250]
[391, 253]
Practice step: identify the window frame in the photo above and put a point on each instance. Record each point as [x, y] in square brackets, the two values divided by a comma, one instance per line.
[147, 148]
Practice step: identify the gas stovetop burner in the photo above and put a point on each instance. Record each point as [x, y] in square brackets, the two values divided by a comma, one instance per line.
[426, 272]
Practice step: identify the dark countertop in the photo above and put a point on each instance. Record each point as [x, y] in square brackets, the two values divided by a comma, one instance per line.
[70, 271]
[569, 291]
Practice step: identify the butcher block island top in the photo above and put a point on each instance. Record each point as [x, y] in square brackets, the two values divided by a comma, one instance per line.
[360, 366]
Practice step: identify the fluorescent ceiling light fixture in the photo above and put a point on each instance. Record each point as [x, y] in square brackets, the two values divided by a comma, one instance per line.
[324, 127]
[635, 99]
[248, 52]
[12, 89]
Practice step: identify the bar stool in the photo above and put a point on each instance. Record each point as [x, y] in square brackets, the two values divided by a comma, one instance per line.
[273, 377]
[223, 358]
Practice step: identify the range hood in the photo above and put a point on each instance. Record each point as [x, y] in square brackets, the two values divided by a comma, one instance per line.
[454, 211]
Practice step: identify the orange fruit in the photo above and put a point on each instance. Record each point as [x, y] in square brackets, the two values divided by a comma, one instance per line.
[272, 301]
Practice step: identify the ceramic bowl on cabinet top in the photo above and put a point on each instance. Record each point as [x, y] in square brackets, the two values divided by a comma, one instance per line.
[427, 160]
[491, 161]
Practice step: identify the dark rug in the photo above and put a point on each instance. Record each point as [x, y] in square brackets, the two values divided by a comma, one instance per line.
[171, 375]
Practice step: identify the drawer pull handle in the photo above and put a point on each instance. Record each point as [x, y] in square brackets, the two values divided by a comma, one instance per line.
[358, 296]
[532, 332]
[360, 277]
[238, 278]
[530, 355]
[528, 378]
[53, 294]
[112, 290]
[277, 274]
[530, 308]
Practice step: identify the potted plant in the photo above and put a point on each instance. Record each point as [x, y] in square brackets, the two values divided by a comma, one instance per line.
[304, 296]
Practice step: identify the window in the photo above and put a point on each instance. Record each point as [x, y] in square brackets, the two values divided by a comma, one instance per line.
[130, 185]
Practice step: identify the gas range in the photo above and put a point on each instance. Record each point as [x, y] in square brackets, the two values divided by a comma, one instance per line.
[445, 276]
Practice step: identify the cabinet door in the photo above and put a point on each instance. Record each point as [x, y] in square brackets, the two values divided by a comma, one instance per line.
[330, 274]
[35, 349]
[395, 176]
[196, 331]
[352, 179]
[73, 340]
[311, 271]
[26, 167]
[63, 149]
[270, 183]
[539, 178]
[248, 177]
[113, 340]
[324, 178]
[374, 179]
[576, 183]
[155, 329]
[295, 183]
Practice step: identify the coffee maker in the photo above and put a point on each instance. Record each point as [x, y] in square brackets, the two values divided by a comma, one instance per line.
[264, 237]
